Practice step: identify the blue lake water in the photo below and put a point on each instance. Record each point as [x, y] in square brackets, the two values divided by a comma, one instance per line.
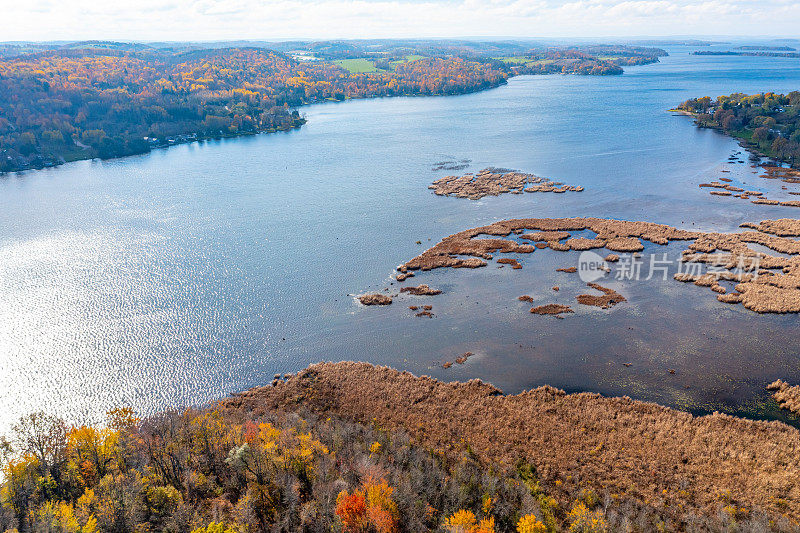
[177, 277]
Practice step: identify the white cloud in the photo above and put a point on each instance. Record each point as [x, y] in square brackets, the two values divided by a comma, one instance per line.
[271, 19]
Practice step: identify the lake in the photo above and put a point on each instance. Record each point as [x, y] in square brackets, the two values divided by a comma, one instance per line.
[177, 277]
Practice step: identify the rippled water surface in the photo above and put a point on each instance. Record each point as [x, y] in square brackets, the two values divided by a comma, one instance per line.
[180, 276]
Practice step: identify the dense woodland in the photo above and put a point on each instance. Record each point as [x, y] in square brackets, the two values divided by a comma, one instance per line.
[219, 470]
[768, 48]
[75, 104]
[216, 471]
[106, 99]
[768, 123]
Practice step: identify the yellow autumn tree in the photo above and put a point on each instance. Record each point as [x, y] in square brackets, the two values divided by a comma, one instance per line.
[584, 520]
[464, 521]
[530, 524]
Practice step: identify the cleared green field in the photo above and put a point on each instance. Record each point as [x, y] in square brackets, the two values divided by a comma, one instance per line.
[514, 59]
[357, 66]
[361, 65]
[406, 59]
[522, 60]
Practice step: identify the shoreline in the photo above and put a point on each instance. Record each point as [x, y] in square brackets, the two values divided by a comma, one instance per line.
[744, 142]
[503, 82]
[615, 445]
[196, 139]
[347, 440]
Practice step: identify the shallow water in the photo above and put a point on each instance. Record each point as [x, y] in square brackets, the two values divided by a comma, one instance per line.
[180, 276]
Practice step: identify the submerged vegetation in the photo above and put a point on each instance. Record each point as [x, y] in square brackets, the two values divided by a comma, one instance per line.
[767, 123]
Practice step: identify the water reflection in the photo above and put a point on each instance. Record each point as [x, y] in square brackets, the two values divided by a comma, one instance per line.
[180, 276]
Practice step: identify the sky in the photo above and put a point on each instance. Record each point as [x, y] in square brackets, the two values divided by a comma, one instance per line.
[155, 20]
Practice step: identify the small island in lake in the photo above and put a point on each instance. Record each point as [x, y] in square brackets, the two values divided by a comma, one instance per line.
[599, 60]
[496, 181]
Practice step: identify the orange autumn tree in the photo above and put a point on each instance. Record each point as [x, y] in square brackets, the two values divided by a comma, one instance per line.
[352, 511]
[370, 508]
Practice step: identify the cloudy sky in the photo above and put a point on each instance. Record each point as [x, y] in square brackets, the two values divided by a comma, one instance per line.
[274, 19]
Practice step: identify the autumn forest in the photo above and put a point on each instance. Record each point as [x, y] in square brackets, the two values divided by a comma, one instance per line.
[108, 100]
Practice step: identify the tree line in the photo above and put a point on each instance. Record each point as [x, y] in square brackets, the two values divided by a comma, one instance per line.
[769, 123]
[221, 471]
[598, 60]
[64, 105]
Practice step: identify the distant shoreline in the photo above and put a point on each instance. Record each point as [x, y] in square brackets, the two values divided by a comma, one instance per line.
[108, 100]
[791, 55]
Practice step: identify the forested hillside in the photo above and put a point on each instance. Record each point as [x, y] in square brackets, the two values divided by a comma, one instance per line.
[63, 105]
[83, 100]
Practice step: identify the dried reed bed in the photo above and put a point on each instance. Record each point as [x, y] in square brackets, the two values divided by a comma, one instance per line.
[545, 236]
[375, 299]
[493, 182]
[776, 288]
[626, 449]
[404, 276]
[421, 290]
[551, 309]
[509, 261]
[787, 396]
[786, 175]
[581, 243]
[782, 227]
[461, 359]
[609, 298]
